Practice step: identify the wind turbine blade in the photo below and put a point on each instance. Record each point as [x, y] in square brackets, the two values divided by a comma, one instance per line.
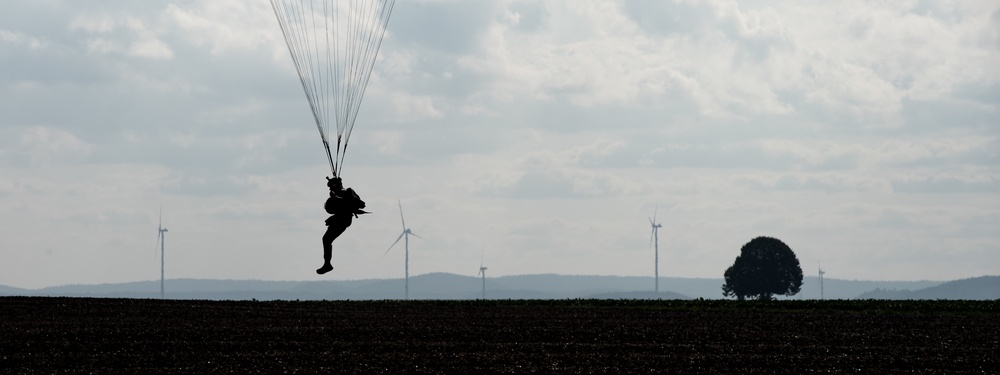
[159, 232]
[415, 235]
[654, 213]
[401, 213]
[651, 233]
[394, 243]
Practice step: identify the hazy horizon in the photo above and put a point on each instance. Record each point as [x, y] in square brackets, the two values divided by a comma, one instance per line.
[538, 136]
[650, 277]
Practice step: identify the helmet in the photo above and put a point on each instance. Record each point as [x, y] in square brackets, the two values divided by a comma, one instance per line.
[335, 181]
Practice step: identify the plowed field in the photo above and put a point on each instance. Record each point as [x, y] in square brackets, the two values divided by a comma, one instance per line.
[82, 335]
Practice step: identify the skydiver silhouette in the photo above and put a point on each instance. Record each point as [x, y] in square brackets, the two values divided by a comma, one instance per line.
[343, 205]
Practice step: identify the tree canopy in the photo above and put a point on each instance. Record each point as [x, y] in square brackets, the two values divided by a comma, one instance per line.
[765, 267]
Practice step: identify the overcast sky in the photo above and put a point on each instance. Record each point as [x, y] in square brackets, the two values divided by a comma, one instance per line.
[540, 135]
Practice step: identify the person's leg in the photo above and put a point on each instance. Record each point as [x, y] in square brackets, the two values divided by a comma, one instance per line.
[332, 232]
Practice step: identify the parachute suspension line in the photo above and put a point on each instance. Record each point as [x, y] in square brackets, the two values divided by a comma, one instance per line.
[316, 72]
[351, 53]
[365, 62]
[335, 68]
[289, 15]
[337, 77]
[331, 75]
[325, 84]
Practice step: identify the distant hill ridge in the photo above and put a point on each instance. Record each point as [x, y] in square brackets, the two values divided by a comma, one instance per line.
[981, 288]
[537, 286]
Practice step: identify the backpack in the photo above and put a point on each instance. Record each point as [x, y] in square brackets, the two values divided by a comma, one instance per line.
[350, 203]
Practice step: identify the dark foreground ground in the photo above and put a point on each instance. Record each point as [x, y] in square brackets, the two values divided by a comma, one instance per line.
[79, 335]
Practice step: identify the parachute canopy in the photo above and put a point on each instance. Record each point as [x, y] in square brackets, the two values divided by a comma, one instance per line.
[333, 44]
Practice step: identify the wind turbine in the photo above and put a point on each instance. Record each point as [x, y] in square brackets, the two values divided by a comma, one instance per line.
[821, 272]
[654, 240]
[160, 237]
[482, 271]
[406, 233]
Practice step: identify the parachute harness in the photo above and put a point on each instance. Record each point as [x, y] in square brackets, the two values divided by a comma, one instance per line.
[333, 44]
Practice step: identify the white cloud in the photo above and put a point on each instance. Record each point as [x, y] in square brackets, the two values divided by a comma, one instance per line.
[891, 51]
[151, 49]
[411, 107]
[102, 46]
[17, 38]
[387, 142]
[102, 24]
[144, 43]
[40, 144]
[224, 26]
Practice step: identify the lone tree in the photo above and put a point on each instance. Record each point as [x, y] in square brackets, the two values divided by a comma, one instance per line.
[765, 266]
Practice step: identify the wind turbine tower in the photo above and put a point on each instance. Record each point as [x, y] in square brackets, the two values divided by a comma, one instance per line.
[821, 272]
[482, 271]
[160, 237]
[406, 233]
[654, 239]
